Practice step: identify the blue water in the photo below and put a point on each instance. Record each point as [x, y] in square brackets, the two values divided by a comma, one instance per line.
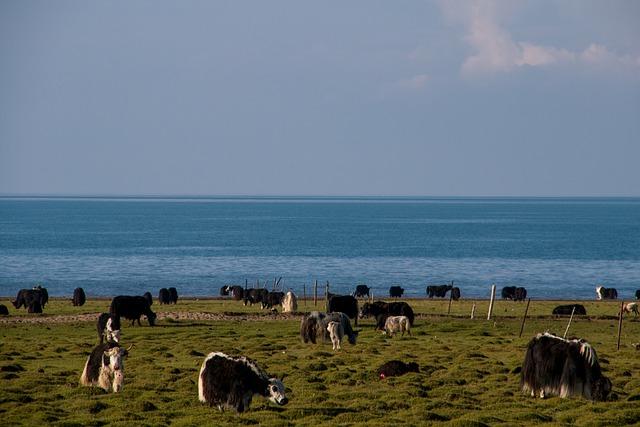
[556, 248]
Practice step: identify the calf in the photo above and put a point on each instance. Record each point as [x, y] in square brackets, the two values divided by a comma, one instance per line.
[566, 310]
[289, 303]
[396, 368]
[131, 308]
[554, 366]
[336, 332]
[164, 297]
[606, 293]
[3, 310]
[148, 297]
[108, 327]
[361, 291]
[173, 296]
[314, 326]
[439, 291]
[231, 382]
[381, 310]
[396, 292]
[344, 304]
[105, 362]
[79, 297]
[631, 307]
[395, 324]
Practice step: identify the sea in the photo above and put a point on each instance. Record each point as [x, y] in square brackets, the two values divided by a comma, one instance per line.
[558, 248]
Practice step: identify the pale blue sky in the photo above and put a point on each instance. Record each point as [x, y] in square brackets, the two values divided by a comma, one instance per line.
[320, 98]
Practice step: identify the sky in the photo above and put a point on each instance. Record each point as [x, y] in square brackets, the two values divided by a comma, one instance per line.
[432, 98]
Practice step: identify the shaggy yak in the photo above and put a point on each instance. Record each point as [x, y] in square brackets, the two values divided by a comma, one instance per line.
[395, 368]
[555, 366]
[231, 382]
[381, 310]
[314, 326]
[105, 367]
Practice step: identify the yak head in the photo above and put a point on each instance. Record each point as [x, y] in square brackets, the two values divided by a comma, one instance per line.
[600, 389]
[151, 317]
[276, 391]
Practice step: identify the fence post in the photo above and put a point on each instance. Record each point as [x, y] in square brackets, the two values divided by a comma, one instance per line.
[493, 296]
[326, 297]
[620, 325]
[473, 311]
[450, 298]
[304, 294]
[315, 293]
[526, 310]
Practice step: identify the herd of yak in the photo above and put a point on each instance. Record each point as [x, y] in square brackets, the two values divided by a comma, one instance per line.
[553, 366]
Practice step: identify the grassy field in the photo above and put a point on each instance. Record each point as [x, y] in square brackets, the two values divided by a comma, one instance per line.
[466, 376]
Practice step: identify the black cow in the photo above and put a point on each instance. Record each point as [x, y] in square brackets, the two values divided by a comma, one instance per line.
[173, 296]
[79, 297]
[566, 310]
[396, 291]
[231, 382]
[455, 293]
[131, 308]
[395, 368]
[255, 296]
[606, 293]
[164, 297]
[344, 304]
[148, 297]
[381, 310]
[3, 310]
[32, 299]
[274, 299]
[439, 291]
[554, 366]
[514, 293]
[361, 291]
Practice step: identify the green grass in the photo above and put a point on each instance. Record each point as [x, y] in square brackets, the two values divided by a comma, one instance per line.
[466, 377]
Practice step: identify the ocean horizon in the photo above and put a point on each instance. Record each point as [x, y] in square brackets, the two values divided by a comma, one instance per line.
[556, 247]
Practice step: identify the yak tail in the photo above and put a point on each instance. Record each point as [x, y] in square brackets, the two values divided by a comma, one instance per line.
[528, 374]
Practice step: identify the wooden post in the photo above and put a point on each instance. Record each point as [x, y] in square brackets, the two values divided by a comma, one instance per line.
[315, 293]
[569, 324]
[620, 325]
[326, 296]
[473, 311]
[493, 296]
[450, 298]
[371, 296]
[526, 310]
[304, 294]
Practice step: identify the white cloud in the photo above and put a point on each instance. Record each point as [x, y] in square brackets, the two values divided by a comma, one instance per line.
[495, 50]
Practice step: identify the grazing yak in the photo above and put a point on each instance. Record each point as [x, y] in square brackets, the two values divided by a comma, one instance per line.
[361, 291]
[555, 366]
[231, 382]
[255, 296]
[344, 304]
[396, 292]
[273, 299]
[4, 311]
[381, 310]
[395, 324]
[606, 293]
[336, 332]
[566, 310]
[163, 296]
[395, 368]
[173, 296]
[108, 327]
[314, 326]
[105, 367]
[79, 297]
[148, 297]
[514, 293]
[33, 300]
[631, 307]
[131, 308]
[290, 303]
[438, 291]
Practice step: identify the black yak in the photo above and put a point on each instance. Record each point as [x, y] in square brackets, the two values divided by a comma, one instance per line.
[164, 297]
[606, 293]
[565, 310]
[231, 382]
[131, 308]
[79, 297]
[381, 310]
[344, 304]
[395, 368]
